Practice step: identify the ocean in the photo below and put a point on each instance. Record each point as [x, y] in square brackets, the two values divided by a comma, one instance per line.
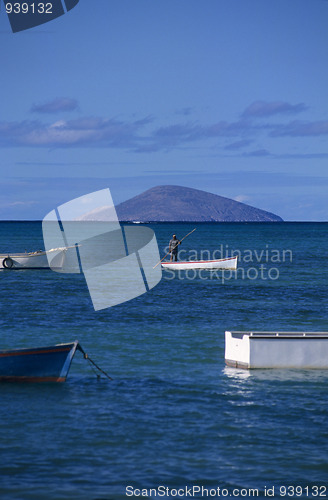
[175, 422]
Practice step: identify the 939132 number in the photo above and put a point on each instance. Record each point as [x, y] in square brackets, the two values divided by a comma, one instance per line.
[25, 8]
[307, 491]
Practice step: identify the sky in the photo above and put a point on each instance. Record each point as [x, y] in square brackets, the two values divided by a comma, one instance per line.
[227, 96]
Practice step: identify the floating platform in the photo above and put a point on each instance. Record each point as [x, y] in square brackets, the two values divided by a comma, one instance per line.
[302, 350]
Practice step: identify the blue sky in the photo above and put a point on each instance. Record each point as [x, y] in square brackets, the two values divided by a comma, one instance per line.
[228, 96]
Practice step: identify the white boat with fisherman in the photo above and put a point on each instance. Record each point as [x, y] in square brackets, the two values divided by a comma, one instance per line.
[34, 260]
[228, 263]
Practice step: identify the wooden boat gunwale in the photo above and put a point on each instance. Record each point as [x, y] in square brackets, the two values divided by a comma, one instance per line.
[61, 376]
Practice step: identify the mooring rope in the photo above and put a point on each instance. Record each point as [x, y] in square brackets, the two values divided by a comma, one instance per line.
[87, 357]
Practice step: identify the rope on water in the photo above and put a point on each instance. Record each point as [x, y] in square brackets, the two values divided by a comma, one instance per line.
[87, 357]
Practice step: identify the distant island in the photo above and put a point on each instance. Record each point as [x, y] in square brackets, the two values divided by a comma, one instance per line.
[183, 204]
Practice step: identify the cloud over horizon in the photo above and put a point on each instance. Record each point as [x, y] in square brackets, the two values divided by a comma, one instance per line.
[86, 131]
[260, 109]
[301, 129]
[143, 136]
[58, 105]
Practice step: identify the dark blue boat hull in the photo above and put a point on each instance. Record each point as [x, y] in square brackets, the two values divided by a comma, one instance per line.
[41, 364]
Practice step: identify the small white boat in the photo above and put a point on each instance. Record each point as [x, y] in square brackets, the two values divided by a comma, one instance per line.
[302, 350]
[229, 263]
[33, 260]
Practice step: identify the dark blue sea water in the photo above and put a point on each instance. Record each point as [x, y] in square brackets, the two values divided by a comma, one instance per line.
[174, 415]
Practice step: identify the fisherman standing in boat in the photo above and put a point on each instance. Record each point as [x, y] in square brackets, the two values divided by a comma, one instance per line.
[173, 248]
